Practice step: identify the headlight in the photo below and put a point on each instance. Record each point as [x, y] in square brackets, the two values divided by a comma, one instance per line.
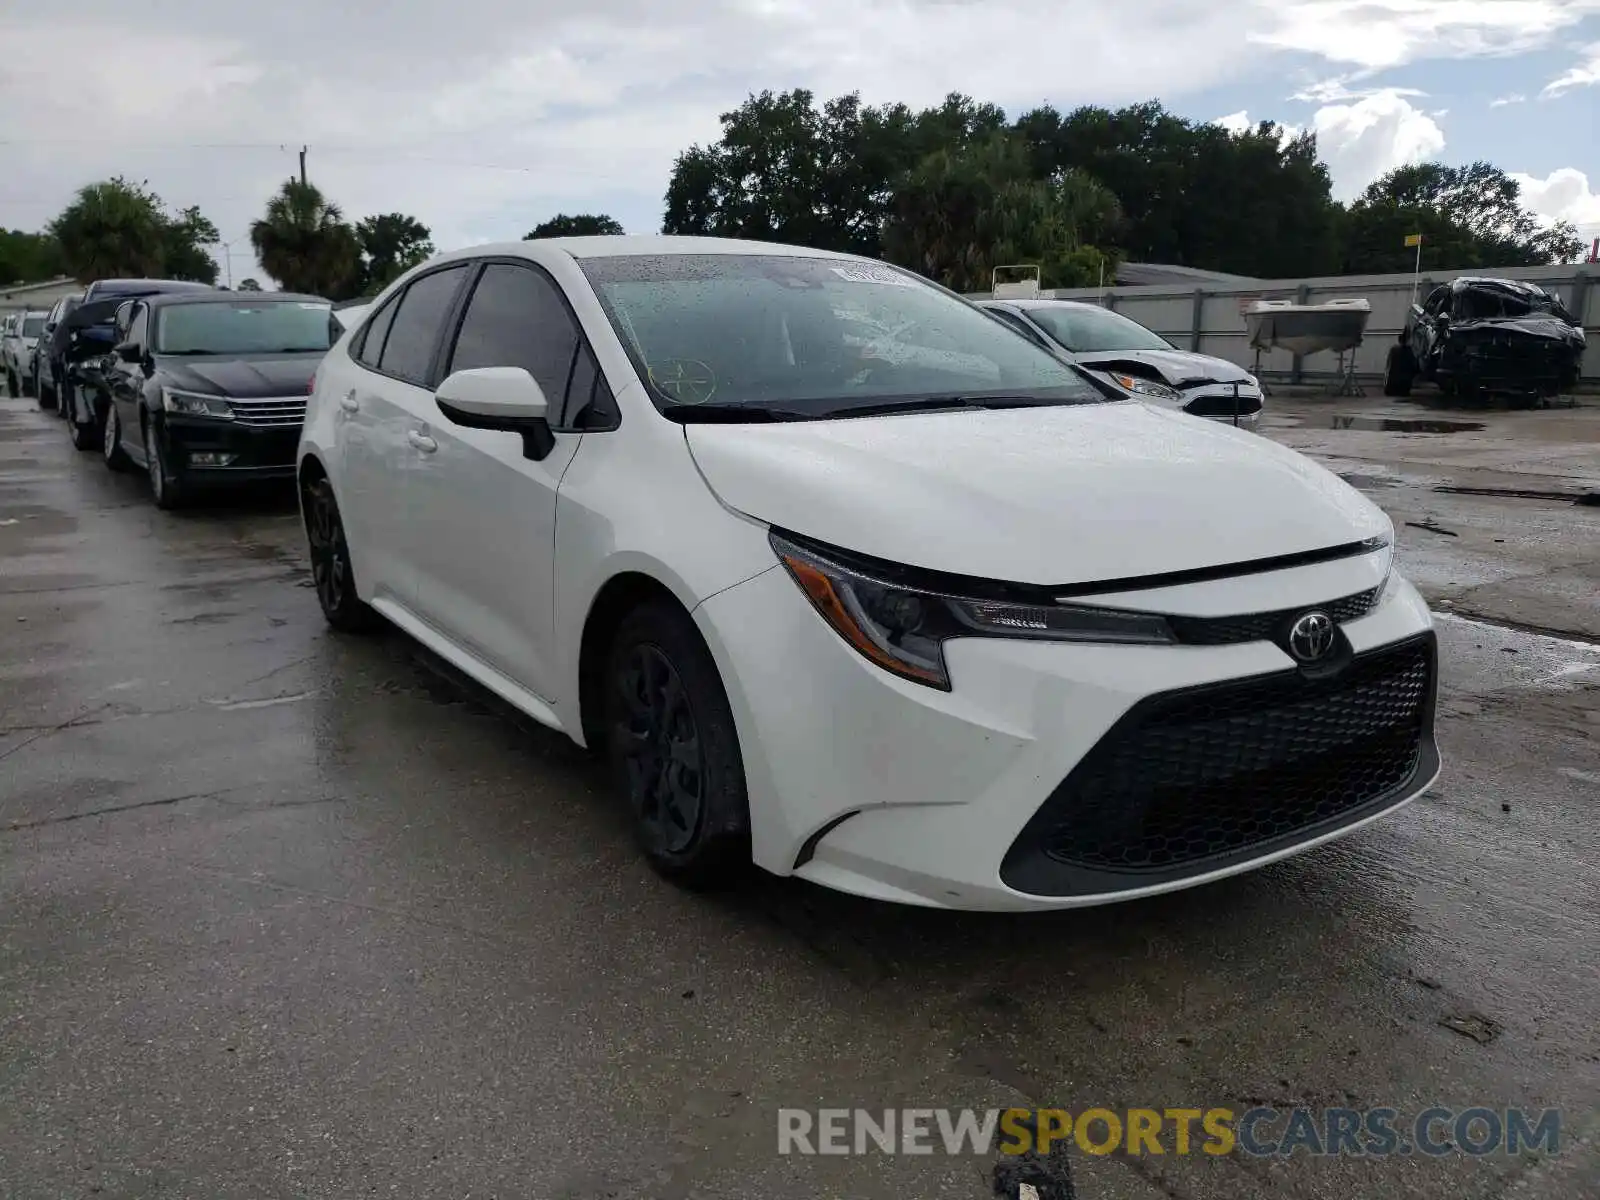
[1145, 387]
[903, 628]
[195, 404]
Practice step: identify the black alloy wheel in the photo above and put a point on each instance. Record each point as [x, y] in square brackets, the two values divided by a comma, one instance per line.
[674, 749]
[331, 572]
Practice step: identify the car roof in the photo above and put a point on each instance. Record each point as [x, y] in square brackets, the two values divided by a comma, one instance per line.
[136, 287]
[611, 245]
[172, 299]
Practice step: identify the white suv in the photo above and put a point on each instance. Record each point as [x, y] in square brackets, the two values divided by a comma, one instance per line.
[937, 623]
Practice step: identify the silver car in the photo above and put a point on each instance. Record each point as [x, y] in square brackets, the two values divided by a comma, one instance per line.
[1137, 360]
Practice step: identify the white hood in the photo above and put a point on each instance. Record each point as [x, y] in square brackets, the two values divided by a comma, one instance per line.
[1070, 494]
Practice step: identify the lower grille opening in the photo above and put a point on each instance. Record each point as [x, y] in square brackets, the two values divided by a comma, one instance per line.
[1222, 406]
[1189, 781]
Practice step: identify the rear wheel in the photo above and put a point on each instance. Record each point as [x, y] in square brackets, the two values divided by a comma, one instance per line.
[674, 750]
[45, 394]
[331, 570]
[13, 384]
[1399, 372]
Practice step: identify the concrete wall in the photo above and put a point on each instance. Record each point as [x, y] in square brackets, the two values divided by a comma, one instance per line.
[1210, 319]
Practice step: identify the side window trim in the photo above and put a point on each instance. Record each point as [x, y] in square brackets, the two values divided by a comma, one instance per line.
[431, 380]
[359, 350]
[564, 420]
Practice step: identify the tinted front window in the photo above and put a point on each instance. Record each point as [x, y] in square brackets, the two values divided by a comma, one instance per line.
[408, 350]
[32, 326]
[516, 318]
[243, 327]
[1088, 328]
[737, 328]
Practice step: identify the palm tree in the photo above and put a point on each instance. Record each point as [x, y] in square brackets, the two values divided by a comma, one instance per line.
[305, 244]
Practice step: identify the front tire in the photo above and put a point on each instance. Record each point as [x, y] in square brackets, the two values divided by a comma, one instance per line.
[166, 485]
[84, 437]
[331, 569]
[674, 750]
[1399, 372]
[111, 444]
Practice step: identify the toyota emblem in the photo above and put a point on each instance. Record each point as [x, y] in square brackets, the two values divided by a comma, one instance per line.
[1311, 637]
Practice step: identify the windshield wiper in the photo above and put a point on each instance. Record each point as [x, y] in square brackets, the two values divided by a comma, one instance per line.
[186, 353]
[938, 404]
[731, 414]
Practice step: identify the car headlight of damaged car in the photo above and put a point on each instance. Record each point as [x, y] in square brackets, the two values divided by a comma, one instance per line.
[195, 404]
[1145, 387]
[903, 628]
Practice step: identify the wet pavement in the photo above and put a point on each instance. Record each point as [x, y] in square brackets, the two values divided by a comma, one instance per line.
[289, 914]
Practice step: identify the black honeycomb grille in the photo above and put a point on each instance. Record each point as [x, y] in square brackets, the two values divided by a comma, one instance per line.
[1209, 773]
[1222, 406]
[1260, 627]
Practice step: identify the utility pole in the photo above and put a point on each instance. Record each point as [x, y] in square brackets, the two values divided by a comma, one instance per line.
[302, 166]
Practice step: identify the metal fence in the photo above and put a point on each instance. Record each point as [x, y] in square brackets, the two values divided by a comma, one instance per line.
[1210, 319]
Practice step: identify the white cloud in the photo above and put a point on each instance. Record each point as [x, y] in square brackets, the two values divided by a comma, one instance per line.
[1503, 101]
[1337, 89]
[1563, 195]
[1240, 122]
[1365, 139]
[1378, 34]
[1585, 74]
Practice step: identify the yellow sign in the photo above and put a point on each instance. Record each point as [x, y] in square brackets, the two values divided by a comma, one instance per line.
[1413, 239]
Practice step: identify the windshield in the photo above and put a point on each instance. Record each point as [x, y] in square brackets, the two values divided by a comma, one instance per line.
[245, 327]
[813, 335]
[1087, 328]
[1489, 301]
[33, 326]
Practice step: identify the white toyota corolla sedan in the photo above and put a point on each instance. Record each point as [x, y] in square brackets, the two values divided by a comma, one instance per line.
[934, 622]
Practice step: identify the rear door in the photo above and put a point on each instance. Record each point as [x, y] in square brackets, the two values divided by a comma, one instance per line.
[380, 403]
[486, 515]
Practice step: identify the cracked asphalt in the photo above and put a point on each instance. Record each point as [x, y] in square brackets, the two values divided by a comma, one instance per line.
[285, 914]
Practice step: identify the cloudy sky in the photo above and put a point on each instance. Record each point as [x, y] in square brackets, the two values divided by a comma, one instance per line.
[483, 117]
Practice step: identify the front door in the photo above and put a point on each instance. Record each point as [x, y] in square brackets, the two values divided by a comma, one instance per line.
[484, 516]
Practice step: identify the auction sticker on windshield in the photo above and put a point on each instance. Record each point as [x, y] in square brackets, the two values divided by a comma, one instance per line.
[856, 273]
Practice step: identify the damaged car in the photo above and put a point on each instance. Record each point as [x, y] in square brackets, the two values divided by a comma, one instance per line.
[1138, 360]
[1477, 337]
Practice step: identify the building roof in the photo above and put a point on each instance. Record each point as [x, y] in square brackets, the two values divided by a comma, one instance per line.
[1132, 274]
[22, 291]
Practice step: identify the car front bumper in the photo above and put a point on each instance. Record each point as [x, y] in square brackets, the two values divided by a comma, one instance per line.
[251, 452]
[1012, 791]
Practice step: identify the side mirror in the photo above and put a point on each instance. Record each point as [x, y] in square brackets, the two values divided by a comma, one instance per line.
[500, 398]
[129, 352]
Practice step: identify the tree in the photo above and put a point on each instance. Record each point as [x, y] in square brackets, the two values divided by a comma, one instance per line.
[111, 229]
[579, 225]
[963, 212]
[29, 257]
[1469, 216]
[785, 170]
[1194, 194]
[391, 244]
[249, 285]
[305, 244]
[120, 228]
[184, 247]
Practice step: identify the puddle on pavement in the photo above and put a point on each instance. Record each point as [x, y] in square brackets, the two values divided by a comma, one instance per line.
[1515, 659]
[1404, 424]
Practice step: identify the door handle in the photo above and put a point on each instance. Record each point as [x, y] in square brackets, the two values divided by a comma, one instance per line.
[422, 442]
[348, 401]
